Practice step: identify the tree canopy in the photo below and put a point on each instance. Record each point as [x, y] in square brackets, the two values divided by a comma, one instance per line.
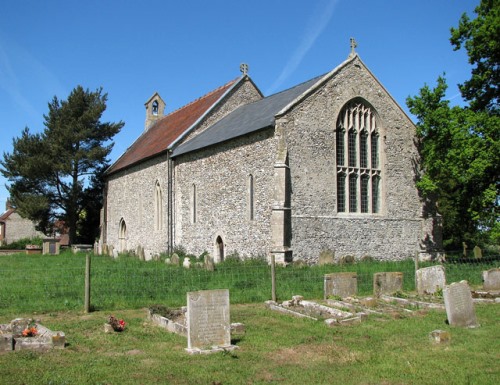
[460, 146]
[57, 174]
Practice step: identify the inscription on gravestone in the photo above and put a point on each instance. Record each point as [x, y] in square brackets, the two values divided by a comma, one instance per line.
[459, 306]
[341, 284]
[208, 320]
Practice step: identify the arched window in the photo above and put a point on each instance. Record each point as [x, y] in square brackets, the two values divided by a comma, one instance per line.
[358, 180]
[158, 207]
[122, 236]
[219, 244]
[194, 205]
[155, 107]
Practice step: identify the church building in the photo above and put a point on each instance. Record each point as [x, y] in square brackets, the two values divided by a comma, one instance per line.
[326, 166]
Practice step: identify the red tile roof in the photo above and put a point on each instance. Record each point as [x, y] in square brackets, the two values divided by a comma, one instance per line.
[6, 214]
[167, 129]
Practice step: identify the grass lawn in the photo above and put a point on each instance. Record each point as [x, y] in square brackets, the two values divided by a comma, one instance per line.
[276, 349]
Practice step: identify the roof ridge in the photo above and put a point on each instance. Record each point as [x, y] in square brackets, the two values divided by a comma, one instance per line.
[201, 97]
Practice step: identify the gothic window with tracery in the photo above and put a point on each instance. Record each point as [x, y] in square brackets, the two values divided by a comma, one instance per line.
[357, 141]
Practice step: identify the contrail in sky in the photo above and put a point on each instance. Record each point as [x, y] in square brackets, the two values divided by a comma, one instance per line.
[316, 24]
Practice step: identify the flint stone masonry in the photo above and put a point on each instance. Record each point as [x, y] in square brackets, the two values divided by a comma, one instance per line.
[387, 283]
[208, 321]
[131, 192]
[341, 285]
[430, 279]
[491, 279]
[459, 305]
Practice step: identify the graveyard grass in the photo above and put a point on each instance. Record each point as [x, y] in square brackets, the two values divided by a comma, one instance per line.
[276, 349]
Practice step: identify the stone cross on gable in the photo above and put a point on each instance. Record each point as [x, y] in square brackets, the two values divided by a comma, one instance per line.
[244, 68]
[353, 46]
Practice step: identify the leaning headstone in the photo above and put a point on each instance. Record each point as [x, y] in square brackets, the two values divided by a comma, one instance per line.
[459, 306]
[208, 321]
[430, 279]
[387, 283]
[341, 285]
[491, 279]
[478, 253]
[175, 259]
[326, 257]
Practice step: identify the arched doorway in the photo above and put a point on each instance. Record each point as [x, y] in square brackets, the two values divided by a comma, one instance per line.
[219, 248]
[122, 236]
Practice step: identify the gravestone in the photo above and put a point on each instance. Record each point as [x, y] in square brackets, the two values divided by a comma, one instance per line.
[326, 257]
[209, 263]
[187, 263]
[491, 279]
[430, 279]
[459, 306]
[175, 259]
[478, 253]
[387, 283]
[341, 285]
[208, 321]
[140, 253]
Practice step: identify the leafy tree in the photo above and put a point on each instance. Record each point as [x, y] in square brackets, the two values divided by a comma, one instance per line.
[50, 173]
[481, 38]
[460, 146]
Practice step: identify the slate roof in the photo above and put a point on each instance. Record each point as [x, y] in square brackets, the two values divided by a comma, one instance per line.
[246, 119]
[166, 130]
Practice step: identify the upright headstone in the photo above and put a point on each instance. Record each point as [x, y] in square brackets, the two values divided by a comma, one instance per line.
[186, 263]
[491, 279]
[387, 283]
[430, 279]
[341, 285]
[209, 263]
[326, 257]
[459, 305]
[175, 259]
[208, 321]
[140, 253]
[464, 245]
[478, 253]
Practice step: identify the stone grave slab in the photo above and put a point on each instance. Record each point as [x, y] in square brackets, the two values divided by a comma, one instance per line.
[341, 285]
[387, 283]
[491, 279]
[430, 279]
[326, 257]
[459, 306]
[208, 321]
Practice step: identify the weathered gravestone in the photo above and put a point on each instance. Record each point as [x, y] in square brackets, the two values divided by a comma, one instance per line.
[387, 283]
[209, 263]
[175, 259]
[326, 257]
[459, 306]
[341, 285]
[430, 279]
[491, 279]
[478, 253]
[208, 321]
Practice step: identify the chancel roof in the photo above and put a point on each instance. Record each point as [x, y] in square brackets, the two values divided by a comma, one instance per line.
[246, 119]
[167, 129]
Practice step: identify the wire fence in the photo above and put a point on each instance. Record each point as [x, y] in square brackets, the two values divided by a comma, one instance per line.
[36, 283]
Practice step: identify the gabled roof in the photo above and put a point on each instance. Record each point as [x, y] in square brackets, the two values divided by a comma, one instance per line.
[157, 139]
[245, 119]
[6, 215]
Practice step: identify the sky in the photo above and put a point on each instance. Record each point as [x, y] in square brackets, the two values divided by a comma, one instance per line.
[185, 49]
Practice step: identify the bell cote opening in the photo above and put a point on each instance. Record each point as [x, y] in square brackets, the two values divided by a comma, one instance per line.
[155, 107]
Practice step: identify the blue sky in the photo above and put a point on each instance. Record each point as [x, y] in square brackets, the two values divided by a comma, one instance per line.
[184, 49]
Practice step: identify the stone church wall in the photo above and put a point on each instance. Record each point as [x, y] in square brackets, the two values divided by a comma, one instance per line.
[396, 231]
[131, 197]
[17, 227]
[221, 176]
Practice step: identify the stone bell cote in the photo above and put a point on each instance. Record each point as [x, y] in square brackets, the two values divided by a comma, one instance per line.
[155, 107]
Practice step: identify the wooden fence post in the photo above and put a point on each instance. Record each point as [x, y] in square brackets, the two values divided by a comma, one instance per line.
[87, 283]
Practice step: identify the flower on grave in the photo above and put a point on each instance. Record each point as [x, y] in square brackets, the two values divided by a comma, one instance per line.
[30, 330]
[116, 324]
